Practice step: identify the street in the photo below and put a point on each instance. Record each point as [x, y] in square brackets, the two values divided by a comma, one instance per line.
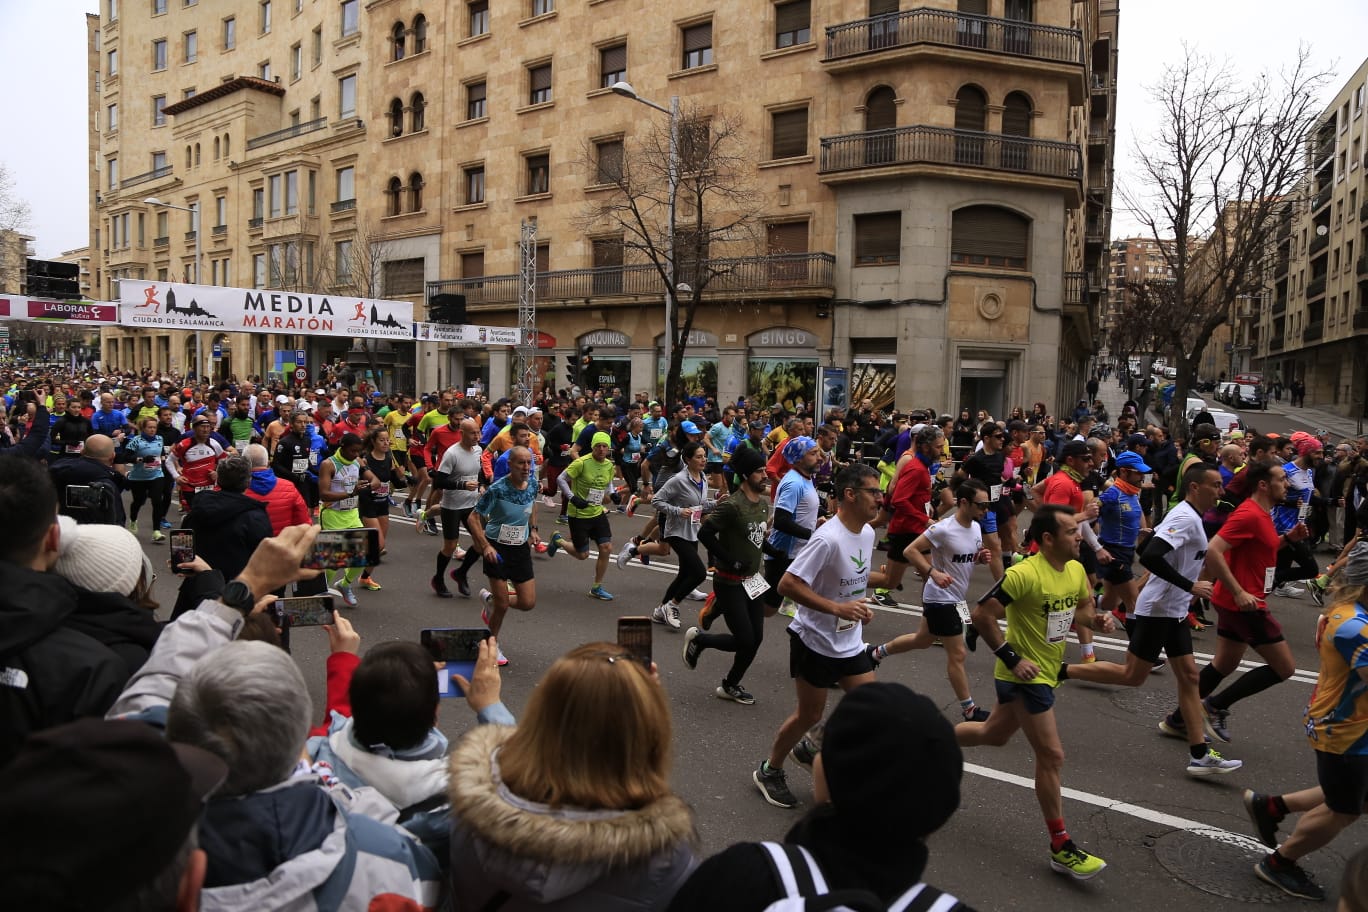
[1168, 839]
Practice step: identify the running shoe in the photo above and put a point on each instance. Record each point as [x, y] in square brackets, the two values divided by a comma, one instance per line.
[601, 594]
[697, 596]
[1289, 877]
[705, 614]
[628, 551]
[631, 505]
[1075, 862]
[1120, 617]
[1265, 820]
[734, 692]
[157, 536]
[691, 650]
[486, 599]
[133, 526]
[166, 523]
[1158, 665]
[804, 752]
[462, 584]
[503, 659]
[1174, 726]
[562, 521]
[1287, 590]
[1196, 623]
[1216, 721]
[370, 585]
[1213, 764]
[408, 509]
[348, 595]
[773, 784]
[539, 547]
[439, 588]
[1089, 658]
[1317, 593]
[430, 524]
[557, 542]
[977, 714]
[884, 599]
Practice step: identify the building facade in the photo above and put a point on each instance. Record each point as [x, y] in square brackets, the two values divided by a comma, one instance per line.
[930, 185]
[1314, 328]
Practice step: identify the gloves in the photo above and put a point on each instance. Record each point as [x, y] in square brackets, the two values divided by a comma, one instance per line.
[579, 503]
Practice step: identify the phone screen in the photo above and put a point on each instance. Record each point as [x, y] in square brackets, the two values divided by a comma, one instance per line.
[634, 635]
[459, 648]
[308, 611]
[82, 497]
[343, 548]
[182, 547]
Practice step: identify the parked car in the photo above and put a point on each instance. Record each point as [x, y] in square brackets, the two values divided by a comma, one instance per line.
[1195, 404]
[1246, 396]
[1226, 421]
[1224, 391]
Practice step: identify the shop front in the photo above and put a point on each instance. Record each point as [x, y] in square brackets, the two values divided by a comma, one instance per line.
[698, 371]
[782, 367]
[611, 360]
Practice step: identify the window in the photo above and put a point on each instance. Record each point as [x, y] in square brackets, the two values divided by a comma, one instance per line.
[315, 108]
[539, 173]
[612, 65]
[1358, 99]
[539, 82]
[346, 93]
[397, 34]
[472, 265]
[158, 7]
[479, 17]
[227, 144]
[277, 199]
[394, 196]
[790, 130]
[258, 270]
[415, 187]
[191, 47]
[158, 162]
[608, 161]
[113, 171]
[417, 113]
[291, 192]
[346, 184]
[342, 261]
[265, 16]
[220, 210]
[419, 33]
[158, 55]
[792, 23]
[396, 117]
[878, 238]
[318, 46]
[989, 236]
[296, 62]
[112, 64]
[229, 33]
[475, 100]
[474, 185]
[112, 118]
[697, 45]
[351, 22]
[113, 7]
[695, 140]
[404, 277]
[258, 202]
[163, 223]
[542, 7]
[264, 70]
[188, 93]
[607, 263]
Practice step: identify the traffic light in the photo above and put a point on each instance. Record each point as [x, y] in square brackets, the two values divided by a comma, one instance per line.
[587, 366]
[449, 309]
[571, 369]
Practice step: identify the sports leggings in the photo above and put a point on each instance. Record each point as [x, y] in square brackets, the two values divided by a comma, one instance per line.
[691, 569]
[746, 620]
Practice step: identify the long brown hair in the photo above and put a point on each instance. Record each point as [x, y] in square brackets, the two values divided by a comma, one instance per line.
[596, 734]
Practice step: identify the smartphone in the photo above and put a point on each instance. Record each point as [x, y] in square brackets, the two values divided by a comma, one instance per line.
[634, 635]
[343, 548]
[459, 648]
[82, 497]
[307, 611]
[182, 547]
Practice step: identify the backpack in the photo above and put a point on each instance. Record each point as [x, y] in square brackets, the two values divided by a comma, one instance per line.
[805, 889]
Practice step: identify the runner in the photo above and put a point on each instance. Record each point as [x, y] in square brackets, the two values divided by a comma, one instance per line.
[145, 477]
[906, 502]
[1295, 559]
[1122, 522]
[1243, 557]
[339, 486]
[294, 457]
[682, 502]
[193, 462]
[504, 527]
[584, 483]
[1041, 596]
[378, 468]
[955, 546]
[796, 508]
[829, 581]
[733, 533]
[1337, 726]
[988, 466]
[1065, 487]
[457, 477]
[1175, 558]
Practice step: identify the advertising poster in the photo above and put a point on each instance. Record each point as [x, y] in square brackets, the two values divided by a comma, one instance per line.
[790, 382]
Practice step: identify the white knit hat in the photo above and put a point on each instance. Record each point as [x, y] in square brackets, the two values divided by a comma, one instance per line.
[100, 558]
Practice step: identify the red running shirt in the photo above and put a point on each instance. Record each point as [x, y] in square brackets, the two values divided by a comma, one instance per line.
[1252, 555]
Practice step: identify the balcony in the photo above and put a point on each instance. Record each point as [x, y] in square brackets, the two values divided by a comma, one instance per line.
[220, 231]
[1280, 305]
[1276, 343]
[290, 226]
[947, 28]
[1320, 199]
[145, 177]
[163, 241]
[289, 132]
[1361, 266]
[1280, 266]
[343, 206]
[851, 153]
[777, 275]
[1315, 288]
[1314, 331]
[1360, 319]
[1075, 286]
[1318, 244]
[254, 224]
[1363, 213]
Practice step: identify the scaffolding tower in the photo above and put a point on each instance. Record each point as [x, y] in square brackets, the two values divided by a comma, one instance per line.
[526, 371]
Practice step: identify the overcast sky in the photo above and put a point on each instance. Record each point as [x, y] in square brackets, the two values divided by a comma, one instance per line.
[43, 105]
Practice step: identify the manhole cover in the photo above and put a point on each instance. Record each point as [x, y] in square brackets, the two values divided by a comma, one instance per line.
[1150, 703]
[1222, 864]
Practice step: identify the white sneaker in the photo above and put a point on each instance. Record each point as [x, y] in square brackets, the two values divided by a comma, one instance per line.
[1213, 764]
[626, 554]
[1287, 590]
[672, 615]
[503, 659]
[660, 615]
[697, 596]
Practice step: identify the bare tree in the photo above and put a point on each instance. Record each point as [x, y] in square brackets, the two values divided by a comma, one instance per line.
[716, 202]
[14, 217]
[1212, 182]
[360, 267]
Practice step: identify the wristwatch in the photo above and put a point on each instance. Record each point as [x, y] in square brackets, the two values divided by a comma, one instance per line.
[238, 594]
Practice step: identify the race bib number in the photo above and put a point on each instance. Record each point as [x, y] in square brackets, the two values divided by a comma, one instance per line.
[199, 488]
[74, 447]
[313, 457]
[299, 465]
[1303, 511]
[153, 462]
[512, 534]
[634, 457]
[240, 445]
[1268, 579]
[595, 496]
[1057, 627]
[347, 503]
[843, 625]
[380, 489]
[995, 492]
[962, 609]
[398, 435]
[755, 586]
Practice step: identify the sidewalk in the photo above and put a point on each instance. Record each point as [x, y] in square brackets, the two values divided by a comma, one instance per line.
[1113, 396]
[1337, 425]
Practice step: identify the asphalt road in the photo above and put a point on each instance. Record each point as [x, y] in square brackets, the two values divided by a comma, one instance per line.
[1168, 839]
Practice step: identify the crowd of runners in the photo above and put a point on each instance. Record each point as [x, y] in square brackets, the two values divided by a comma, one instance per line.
[1087, 523]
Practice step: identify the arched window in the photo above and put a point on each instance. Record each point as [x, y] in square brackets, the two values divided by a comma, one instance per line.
[881, 113]
[417, 109]
[971, 113]
[1016, 121]
[989, 236]
[397, 40]
[216, 148]
[197, 154]
[415, 192]
[395, 192]
[396, 117]
[189, 157]
[419, 33]
[226, 145]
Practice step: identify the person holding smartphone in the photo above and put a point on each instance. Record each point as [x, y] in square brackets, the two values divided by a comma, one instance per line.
[503, 525]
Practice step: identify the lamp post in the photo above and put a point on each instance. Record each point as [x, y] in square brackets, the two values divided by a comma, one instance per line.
[672, 171]
[199, 269]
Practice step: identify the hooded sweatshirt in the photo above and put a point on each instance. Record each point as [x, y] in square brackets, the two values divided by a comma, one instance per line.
[284, 504]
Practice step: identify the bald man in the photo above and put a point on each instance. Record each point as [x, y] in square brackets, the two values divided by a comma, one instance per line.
[94, 468]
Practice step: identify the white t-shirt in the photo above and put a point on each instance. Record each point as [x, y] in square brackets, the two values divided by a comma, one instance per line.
[953, 549]
[462, 465]
[835, 563]
[1182, 529]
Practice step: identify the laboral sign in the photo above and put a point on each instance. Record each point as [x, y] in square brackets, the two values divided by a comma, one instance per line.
[172, 305]
[51, 311]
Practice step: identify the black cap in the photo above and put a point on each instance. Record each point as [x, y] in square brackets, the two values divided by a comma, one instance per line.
[746, 460]
[1137, 440]
[880, 737]
[1205, 432]
[350, 439]
[1074, 448]
[96, 809]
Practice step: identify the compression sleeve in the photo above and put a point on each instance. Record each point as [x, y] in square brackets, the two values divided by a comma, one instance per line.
[1152, 559]
[784, 522]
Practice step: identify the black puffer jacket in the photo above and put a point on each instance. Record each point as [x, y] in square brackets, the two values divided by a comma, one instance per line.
[129, 631]
[227, 526]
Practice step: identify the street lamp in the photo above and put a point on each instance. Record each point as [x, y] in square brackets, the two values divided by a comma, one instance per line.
[199, 268]
[625, 90]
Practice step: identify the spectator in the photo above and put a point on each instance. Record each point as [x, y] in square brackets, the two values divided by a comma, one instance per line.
[572, 809]
[128, 788]
[94, 469]
[227, 525]
[285, 506]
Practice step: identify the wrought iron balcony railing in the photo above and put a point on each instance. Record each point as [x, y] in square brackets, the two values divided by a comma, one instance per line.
[945, 146]
[293, 130]
[953, 29]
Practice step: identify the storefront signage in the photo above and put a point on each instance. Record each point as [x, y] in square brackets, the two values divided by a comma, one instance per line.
[697, 338]
[782, 337]
[608, 338]
[50, 311]
[465, 334]
[171, 305]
